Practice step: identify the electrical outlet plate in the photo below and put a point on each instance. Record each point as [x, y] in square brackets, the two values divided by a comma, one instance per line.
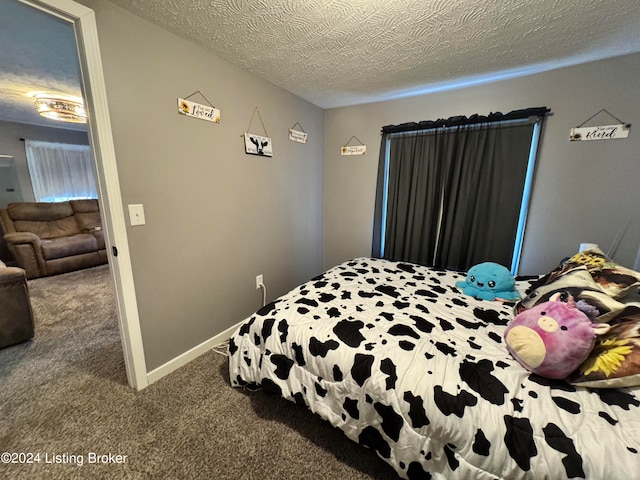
[259, 281]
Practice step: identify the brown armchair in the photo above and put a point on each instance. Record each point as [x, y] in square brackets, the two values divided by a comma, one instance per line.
[16, 316]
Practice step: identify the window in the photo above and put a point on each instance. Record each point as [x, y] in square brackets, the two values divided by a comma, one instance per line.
[454, 193]
[60, 171]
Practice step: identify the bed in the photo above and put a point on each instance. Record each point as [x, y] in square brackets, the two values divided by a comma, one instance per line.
[394, 355]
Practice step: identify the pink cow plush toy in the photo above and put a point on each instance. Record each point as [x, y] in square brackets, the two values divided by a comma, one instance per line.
[552, 339]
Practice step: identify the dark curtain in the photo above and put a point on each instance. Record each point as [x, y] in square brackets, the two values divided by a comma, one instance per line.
[453, 193]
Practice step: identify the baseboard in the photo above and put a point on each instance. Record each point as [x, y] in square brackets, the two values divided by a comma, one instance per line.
[172, 365]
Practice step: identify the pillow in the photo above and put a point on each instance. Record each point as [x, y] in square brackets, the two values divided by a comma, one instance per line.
[614, 279]
[577, 284]
[552, 339]
[615, 359]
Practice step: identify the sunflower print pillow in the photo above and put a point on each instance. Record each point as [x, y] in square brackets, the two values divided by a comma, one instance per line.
[615, 359]
[615, 280]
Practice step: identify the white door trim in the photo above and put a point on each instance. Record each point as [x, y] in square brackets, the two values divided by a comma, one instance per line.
[101, 139]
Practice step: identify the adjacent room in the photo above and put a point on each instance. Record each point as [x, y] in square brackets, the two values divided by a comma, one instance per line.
[275, 239]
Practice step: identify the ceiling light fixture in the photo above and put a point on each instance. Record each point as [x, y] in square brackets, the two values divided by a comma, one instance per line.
[60, 107]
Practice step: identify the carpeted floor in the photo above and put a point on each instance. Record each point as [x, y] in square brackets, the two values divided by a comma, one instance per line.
[65, 405]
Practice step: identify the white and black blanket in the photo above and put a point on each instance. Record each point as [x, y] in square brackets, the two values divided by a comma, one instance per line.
[399, 359]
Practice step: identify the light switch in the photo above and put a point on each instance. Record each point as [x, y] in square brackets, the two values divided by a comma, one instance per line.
[136, 215]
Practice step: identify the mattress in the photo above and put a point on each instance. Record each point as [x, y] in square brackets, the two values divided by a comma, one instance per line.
[400, 360]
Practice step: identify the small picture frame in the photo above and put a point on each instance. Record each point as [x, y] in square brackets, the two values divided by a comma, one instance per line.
[257, 145]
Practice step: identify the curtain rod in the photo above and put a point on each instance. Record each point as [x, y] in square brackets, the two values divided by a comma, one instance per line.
[462, 120]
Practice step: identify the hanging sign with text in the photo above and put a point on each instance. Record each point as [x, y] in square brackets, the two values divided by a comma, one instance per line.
[297, 136]
[606, 132]
[354, 150]
[198, 110]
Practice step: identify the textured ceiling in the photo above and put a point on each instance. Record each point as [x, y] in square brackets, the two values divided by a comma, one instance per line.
[342, 52]
[337, 52]
[37, 54]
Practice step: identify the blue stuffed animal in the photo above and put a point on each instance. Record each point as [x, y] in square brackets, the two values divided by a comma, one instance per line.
[490, 281]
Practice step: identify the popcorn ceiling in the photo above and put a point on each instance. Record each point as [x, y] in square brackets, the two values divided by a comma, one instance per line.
[342, 52]
[338, 52]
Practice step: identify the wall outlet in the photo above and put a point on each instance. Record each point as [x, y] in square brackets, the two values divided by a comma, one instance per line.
[259, 281]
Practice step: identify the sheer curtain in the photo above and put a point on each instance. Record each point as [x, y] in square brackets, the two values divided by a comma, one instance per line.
[451, 194]
[60, 171]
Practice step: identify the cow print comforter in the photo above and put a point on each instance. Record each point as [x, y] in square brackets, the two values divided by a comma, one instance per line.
[399, 359]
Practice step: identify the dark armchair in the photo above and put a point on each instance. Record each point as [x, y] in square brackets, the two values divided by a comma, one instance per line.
[16, 316]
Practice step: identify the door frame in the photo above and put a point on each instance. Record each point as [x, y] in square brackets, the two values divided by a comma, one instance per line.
[101, 140]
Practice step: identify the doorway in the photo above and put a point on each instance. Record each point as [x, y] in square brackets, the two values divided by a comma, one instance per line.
[82, 20]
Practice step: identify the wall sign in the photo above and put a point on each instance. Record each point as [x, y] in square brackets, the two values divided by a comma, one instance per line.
[297, 136]
[257, 145]
[198, 110]
[353, 149]
[605, 132]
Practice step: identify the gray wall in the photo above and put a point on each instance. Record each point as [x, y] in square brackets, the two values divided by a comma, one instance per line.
[583, 191]
[215, 217]
[17, 177]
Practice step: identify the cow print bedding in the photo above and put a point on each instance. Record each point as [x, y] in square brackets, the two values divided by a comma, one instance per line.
[402, 362]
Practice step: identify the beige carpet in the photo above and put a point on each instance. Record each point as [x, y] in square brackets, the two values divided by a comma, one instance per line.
[64, 396]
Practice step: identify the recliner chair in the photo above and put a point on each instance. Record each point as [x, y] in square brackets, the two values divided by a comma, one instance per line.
[16, 315]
